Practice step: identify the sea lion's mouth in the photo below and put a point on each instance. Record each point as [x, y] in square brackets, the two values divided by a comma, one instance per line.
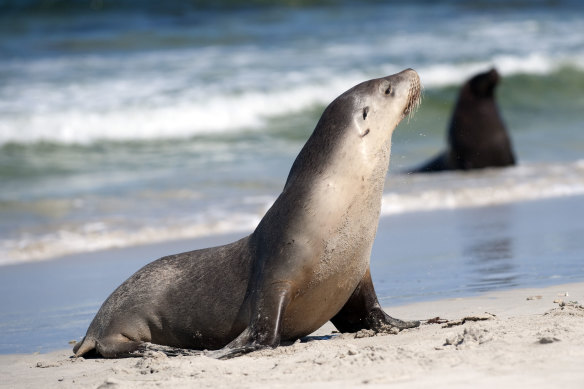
[414, 97]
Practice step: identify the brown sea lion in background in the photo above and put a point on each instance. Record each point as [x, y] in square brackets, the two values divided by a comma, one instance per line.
[306, 263]
[477, 137]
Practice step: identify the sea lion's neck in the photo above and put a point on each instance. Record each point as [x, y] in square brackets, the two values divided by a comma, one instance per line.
[333, 180]
[351, 186]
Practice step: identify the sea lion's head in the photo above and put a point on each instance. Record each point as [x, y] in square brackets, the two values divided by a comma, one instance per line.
[377, 106]
[353, 135]
[370, 111]
[483, 85]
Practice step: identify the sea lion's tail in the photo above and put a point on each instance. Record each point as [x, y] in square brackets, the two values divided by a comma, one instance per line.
[85, 346]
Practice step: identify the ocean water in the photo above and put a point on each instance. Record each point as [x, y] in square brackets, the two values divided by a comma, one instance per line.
[121, 125]
[135, 122]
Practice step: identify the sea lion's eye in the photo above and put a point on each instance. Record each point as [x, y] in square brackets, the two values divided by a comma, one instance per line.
[365, 112]
[388, 90]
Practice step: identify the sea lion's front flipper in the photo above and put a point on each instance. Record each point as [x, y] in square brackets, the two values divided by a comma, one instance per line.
[362, 311]
[265, 324]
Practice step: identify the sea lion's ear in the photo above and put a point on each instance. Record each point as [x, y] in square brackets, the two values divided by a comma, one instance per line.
[385, 88]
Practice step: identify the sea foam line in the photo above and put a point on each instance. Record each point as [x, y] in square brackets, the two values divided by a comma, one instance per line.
[89, 239]
[488, 188]
[406, 193]
[217, 109]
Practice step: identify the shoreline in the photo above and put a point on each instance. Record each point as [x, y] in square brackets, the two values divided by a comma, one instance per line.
[526, 338]
[448, 201]
[421, 256]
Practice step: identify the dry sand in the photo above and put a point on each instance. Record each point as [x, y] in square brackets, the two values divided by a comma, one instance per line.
[527, 337]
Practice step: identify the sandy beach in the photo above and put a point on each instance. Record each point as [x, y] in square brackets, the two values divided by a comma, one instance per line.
[509, 339]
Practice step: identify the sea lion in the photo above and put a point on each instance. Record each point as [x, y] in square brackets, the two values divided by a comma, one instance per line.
[306, 263]
[477, 137]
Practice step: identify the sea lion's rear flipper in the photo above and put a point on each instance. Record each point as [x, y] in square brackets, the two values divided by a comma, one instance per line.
[85, 346]
[112, 346]
[362, 311]
[119, 346]
[265, 326]
[122, 347]
[109, 347]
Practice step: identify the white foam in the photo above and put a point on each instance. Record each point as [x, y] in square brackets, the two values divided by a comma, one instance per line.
[137, 109]
[405, 193]
[487, 188]
[440, 75]
[182, 94]
[101, 236]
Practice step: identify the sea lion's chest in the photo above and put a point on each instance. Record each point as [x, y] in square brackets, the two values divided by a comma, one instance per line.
[343, 227]
[337, 265]
[345, 253]
[334, 229]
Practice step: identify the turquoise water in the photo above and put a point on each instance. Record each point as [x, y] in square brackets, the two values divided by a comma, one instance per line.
[144, 121]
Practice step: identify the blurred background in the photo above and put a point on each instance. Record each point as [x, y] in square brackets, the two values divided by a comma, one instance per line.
[131, 122]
